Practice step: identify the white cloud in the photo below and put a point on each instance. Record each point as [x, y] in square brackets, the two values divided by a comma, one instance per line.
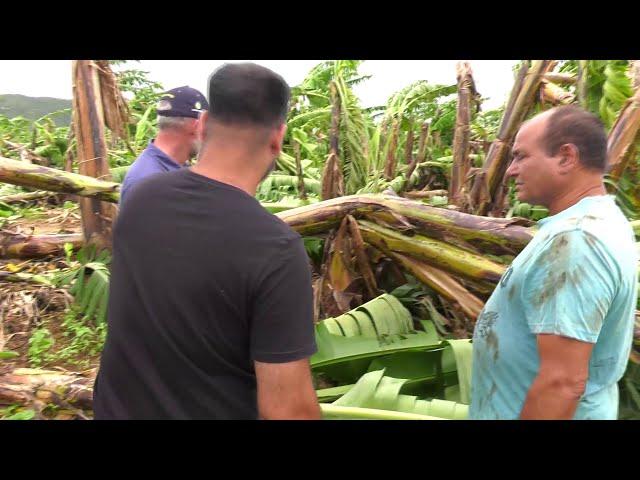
[52, 78]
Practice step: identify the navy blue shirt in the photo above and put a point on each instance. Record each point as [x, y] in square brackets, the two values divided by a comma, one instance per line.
[151, 161]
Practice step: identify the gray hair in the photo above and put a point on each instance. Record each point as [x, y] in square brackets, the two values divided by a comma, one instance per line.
[167, 123]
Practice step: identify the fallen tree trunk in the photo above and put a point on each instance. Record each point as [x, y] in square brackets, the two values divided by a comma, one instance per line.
[54, 180]
[25, 246]
[495, 235]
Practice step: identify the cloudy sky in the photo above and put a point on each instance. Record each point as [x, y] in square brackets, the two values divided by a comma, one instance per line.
[52, 78]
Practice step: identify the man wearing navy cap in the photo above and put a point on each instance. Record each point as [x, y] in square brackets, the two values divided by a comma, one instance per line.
[177, 140]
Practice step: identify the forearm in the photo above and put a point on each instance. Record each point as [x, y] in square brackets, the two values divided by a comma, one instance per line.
[551, 399]
[303, 410]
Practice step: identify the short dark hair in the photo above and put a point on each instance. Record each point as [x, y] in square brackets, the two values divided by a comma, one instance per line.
[572, 124]
[248, 94]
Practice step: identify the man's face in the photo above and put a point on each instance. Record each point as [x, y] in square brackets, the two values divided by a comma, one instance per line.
[533, 170]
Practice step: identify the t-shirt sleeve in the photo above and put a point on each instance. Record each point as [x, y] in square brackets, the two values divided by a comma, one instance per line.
[569, 287]
[282, 327]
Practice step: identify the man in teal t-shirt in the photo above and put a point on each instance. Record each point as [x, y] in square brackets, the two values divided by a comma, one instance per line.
[554, 338]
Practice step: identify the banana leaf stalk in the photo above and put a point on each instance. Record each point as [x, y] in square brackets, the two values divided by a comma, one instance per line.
[443, 283]
[361, 257]
[341, 272]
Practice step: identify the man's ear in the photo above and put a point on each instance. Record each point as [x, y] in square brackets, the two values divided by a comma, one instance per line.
[202, 125]
[277, 138]
[569, 157]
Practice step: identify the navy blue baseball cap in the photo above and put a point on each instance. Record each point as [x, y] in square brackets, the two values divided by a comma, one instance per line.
[182, 102]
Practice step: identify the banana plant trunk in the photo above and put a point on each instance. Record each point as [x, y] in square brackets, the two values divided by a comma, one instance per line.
[624, 136]
[332, 176]
[582, 85]
[92, 155]
[523, 97]
[461, 160]
[390, 163]
[301, 191]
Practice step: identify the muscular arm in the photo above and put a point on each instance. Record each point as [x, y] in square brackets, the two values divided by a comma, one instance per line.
[285, 391]
[561, 380]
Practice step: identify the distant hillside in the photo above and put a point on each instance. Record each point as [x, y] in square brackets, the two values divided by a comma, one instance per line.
[33, 108]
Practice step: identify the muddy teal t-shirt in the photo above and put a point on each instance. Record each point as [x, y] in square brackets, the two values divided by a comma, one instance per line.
[577, 278]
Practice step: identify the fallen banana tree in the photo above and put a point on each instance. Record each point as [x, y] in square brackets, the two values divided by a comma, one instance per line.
[445, 256]
[26, 246]
[495, 235]
[54, 180]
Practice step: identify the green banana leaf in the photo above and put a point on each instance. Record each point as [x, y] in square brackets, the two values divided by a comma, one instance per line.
[377, 391]
[463, 353]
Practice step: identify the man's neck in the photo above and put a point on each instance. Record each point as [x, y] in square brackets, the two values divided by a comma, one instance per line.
[175, 148]
[228, 166]
[574, 195]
